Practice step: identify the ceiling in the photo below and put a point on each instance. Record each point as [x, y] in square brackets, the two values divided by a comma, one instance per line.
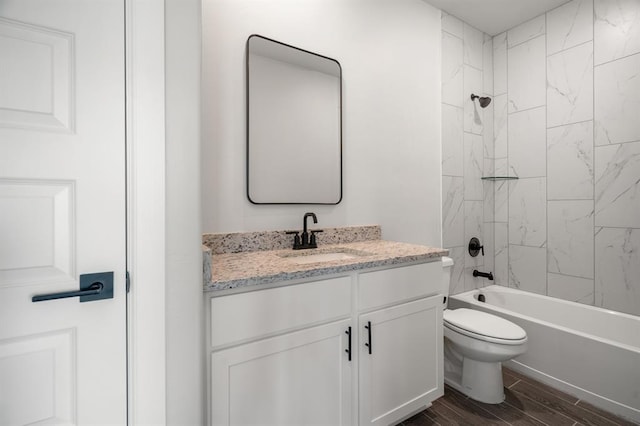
[495, 16]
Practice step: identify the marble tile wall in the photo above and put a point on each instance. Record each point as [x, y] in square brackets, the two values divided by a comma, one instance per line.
[467, 149]
[526, 74]
[566, 121]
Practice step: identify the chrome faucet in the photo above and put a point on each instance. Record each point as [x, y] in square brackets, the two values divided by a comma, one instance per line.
[305, 241]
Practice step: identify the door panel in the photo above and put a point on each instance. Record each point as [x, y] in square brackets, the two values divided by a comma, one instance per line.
[62, 210]
[36, 220]
[300, 378]
[41, 66]
[38, 368]
[402, 373]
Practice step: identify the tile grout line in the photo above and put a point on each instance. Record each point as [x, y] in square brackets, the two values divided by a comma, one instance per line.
[524, 412]
[448, 406]
[555, 412]
[598, 415]
[569, 48]
[527, 414]
[540, 387]
[433, 419]
[493, 414]
[529, 108]
[446, 403]
[507, 185]
[546, 154]
[528, 40]
[612, 60]
[577, 403]
[593, 146]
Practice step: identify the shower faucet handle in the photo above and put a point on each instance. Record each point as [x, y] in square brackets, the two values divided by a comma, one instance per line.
[475, 247]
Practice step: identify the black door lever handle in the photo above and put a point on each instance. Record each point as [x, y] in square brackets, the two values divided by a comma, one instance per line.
[92, 287]
[92, 290]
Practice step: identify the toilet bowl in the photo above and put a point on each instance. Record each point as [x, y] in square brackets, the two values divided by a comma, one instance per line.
[475, 345]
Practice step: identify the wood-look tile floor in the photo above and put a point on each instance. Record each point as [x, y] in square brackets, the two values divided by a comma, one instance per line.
[528, 402]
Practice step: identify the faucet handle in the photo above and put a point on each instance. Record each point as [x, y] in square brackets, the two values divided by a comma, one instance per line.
[296, 239]
[312, 241]
[475, 247]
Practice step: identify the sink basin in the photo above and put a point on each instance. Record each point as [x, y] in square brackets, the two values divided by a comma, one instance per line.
[320, 257]
[303, 258]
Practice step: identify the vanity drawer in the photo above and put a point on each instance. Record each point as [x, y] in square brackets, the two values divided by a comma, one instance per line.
[243, 317]
[388, 286]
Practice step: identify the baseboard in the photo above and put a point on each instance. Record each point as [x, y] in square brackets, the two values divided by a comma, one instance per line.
[606, 404]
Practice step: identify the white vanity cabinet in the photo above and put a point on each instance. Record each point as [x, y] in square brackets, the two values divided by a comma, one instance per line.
[280, 356]
[400, 360]
[298, 378]
[400, 351]
[277, 356]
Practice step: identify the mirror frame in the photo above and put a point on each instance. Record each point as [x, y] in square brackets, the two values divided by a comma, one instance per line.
[248, 150]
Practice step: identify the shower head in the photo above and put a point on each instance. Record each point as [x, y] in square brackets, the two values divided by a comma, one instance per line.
[483, 101]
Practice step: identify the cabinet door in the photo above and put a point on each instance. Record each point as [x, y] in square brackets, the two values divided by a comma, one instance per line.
[300, 378]
[403, 372]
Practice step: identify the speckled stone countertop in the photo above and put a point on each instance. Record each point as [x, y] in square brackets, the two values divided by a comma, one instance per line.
[240, 242]
[245, 269]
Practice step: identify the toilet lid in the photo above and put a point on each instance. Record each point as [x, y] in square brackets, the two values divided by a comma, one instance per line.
[483, 325]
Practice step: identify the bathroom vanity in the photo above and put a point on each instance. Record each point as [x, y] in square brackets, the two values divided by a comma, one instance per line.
[352, 335]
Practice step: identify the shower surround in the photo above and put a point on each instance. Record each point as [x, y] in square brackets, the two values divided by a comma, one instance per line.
[566, 89]
[467, 147]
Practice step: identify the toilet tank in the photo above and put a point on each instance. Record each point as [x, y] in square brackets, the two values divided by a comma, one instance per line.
[447, 270]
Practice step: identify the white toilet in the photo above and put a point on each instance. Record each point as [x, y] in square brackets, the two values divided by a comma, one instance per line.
[475, 345]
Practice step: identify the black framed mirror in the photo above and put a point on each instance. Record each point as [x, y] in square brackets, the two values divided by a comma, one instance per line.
[294, 125]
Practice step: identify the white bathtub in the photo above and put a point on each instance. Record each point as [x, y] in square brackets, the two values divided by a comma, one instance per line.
[589, 352]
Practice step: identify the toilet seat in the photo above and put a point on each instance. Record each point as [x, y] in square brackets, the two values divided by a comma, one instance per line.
[483, 326]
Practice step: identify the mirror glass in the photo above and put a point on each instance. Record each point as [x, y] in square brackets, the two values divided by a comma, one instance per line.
[294, 125]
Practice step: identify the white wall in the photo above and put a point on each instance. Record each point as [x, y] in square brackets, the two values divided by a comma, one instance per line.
[184, 308]
[389, 51]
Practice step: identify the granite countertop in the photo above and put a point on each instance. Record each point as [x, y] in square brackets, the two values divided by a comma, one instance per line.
[239, 270]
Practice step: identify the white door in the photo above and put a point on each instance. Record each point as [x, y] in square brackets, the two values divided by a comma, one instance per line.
[299, 378]
[400, 360]
[62, 211]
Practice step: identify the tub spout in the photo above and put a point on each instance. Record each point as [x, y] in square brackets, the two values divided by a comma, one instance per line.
[488, 275]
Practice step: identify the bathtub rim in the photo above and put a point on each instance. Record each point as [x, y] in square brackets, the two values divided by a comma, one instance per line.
[613, 406]
[467, 296]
